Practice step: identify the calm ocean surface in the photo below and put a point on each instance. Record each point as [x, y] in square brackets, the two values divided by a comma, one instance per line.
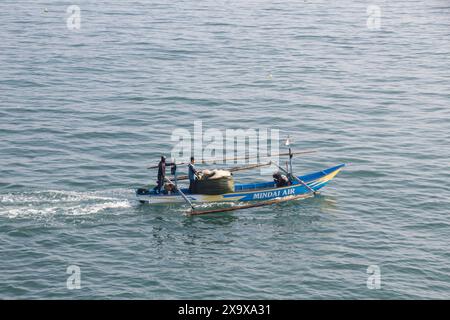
[82, 112]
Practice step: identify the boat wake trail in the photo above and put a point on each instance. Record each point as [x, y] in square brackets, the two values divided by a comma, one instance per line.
[55, 202]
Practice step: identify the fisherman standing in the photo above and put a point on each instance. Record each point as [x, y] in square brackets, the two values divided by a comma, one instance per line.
[192, 173]
[161, 174]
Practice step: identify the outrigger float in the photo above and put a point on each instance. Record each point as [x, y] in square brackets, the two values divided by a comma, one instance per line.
[255, 194]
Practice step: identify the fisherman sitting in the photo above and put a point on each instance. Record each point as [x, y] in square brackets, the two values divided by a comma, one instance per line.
[169, 188]
[280, 180]
[192, 173]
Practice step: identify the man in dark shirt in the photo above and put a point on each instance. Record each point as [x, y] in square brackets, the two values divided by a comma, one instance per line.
[161, 174]
[192, 173]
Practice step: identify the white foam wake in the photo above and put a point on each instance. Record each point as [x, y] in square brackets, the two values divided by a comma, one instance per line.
[53, 202]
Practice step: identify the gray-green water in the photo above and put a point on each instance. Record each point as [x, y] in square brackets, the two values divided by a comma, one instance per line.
[82, 112]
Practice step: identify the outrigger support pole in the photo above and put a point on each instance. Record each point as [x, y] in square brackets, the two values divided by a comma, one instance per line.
[296, 178]
[242, 158]
[183, 195]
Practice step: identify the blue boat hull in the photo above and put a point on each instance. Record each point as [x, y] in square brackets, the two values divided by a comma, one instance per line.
[248, 192]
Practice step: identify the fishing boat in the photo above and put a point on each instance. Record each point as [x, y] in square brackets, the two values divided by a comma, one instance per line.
[283, 188]
[260, 191]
